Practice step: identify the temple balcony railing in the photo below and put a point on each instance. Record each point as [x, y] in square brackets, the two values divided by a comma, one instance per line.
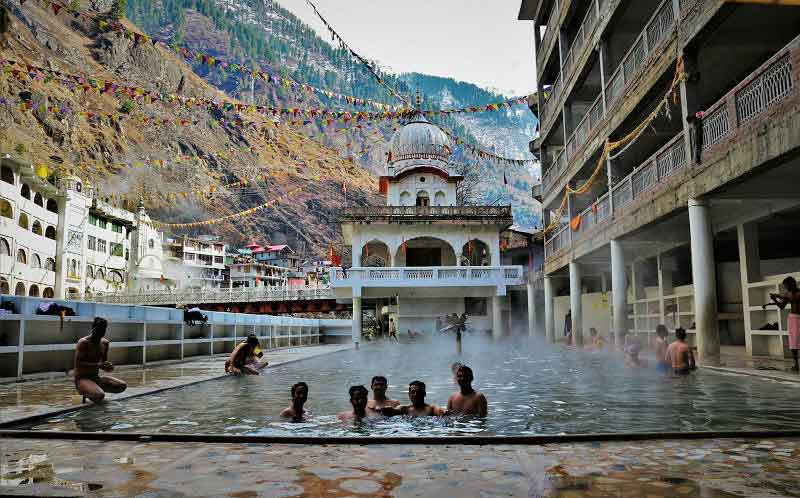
[775, 81]
[498, 214]
[438, 276]
[209, 296]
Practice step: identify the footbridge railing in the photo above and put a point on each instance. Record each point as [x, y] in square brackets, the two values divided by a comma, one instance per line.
[205, 296]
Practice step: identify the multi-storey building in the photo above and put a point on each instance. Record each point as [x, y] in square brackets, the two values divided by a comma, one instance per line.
[195, 262]
[692, 216]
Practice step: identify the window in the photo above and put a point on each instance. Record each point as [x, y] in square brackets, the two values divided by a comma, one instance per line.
[102, 222]
[22, 257]
[37, 228]
[48, 293]
[100, 275]
[405, 199]
[151, 243]
[73, 293]
[115, 276]
[23, 221]
[188, 256]
[20, 289]
[52, 206]
[101, 246]
[91, 243]
[33, 291]
[7, 175]
[117, 250]
[89, 272]
[116, 227]
[127, 255]
[5, 248]
[36, 262]
[475, 306]
[218, 259]
[37, 199]
[50, 233]
[50, 264]
[5, 209]
[439, 198]
[25, 191]
[422, 199]
[92, 219]
[4, 288]
[73, 268]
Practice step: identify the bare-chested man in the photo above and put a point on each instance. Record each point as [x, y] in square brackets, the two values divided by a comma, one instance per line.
[379, 400]
[91, 356]
[791, 298]
[679, 354]
[467, 401]
[299, 398]
[358, 400]
[418, 407]
[244, 360]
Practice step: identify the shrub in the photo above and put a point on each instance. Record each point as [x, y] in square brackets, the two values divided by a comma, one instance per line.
[127, 106]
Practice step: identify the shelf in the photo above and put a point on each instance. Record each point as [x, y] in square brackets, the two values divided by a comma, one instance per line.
[9, 349]
[769, 332]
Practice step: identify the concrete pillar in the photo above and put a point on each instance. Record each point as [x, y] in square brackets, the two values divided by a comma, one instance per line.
[619, 287]
[549, 312]
[497, 317]
[356, 334]
[704, 276]
[690, 105]
[750, 271]
[575, 303]
[531, 309]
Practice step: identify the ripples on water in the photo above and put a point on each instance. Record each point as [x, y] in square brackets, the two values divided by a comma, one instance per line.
[532, 388]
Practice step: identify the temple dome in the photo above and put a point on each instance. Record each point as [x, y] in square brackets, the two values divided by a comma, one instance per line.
[419, 143]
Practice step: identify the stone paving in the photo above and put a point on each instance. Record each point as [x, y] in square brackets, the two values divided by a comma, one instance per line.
[27, 399]
[654, 469]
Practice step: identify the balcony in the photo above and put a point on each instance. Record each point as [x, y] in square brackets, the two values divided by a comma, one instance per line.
[769, 86]
[440, 276]
[495, 214]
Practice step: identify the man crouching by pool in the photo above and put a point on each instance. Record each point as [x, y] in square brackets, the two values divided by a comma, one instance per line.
[244, 360]
[91, 356]
[418, 407]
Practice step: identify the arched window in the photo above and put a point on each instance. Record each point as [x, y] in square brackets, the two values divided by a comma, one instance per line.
[50, 233]
[22, 257]
[52, 206]
[20, 289]
[36, 228]
[5, 209]
[73, 268]
[73, 293]
[50, 264]
[405, 199]
[439, 199]
[115, 276]
[37, 199]
[23, 221]
[151, 243]
[89, 272]
[5, 248]
[7, 175]
[48, 293]
[422, 199]
[4, 288]
[25, 191]
[100, 275]
[36, 261]
[33, 291]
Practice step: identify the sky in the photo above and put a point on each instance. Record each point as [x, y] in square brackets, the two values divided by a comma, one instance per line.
[478, 41]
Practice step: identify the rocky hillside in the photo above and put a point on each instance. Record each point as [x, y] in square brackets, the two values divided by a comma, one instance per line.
[121, 142]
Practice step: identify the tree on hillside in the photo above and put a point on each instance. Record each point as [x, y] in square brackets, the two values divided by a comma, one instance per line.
[118, 9]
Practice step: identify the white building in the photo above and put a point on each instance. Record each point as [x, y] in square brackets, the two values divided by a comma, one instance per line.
[194, 262]
[422, 249]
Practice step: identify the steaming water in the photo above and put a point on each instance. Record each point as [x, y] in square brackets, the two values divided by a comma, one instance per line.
[532, 388]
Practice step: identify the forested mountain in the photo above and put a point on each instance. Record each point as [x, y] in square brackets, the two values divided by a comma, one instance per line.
[263, 35]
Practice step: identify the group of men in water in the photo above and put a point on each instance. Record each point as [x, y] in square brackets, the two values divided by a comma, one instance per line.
[466, 401]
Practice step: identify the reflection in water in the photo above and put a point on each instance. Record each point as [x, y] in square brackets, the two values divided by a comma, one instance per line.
[532, 388]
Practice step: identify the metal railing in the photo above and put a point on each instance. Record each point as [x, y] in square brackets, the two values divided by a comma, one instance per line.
[462, 212]
[766, 89]
[207, 296]
[557, 242]
[431, 276]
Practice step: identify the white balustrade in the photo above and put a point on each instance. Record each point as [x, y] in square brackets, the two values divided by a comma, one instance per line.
[427, 276]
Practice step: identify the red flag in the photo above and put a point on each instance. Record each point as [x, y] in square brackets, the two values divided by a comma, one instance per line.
[56, 8]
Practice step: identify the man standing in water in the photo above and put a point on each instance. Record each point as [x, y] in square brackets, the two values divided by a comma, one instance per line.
[358, 400]
[418, 407]
[662, 365]
[679, 354]
[792, 298]
[91, 356]
[379, 400]
[299, 398]
[467, 401]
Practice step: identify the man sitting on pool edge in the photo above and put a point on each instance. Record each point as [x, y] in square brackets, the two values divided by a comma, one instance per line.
[299, 398]
[467, 401]
[244, 358]
[379, 400]
[418, 407]
[358, 400]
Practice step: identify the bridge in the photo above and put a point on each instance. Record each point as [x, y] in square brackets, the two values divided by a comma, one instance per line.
[258, 300]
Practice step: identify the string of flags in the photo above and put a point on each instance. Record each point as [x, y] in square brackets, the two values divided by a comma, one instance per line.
[482, 154]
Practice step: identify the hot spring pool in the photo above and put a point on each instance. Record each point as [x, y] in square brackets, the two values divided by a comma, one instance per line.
[532, 388]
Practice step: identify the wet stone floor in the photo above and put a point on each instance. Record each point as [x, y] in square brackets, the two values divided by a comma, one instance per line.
[699, 468]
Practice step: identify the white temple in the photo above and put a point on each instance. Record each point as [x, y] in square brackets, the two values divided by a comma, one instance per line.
[422, 256]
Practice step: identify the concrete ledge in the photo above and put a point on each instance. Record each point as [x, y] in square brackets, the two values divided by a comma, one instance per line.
[776, 375]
